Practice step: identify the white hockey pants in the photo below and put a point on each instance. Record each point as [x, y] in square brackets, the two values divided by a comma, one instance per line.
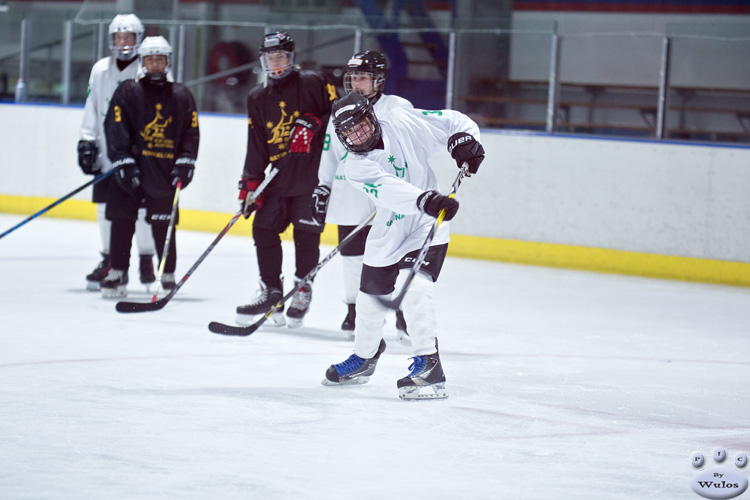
[419, 312]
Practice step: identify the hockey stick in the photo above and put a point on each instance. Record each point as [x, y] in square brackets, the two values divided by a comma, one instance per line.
[244, 331]
[54, 204]
[396, 302]
[167, 240]
[133, 307]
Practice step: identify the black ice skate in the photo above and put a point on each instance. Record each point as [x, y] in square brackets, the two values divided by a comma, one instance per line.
[93, 280]
[147, 270]
[426, 373]
[348, 324]
[300, 305]
[264, 300]
[115, 284]
[354, 370]
[168, 282]
[401, 334]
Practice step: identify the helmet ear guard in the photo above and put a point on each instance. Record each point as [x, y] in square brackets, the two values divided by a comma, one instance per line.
[355, 123]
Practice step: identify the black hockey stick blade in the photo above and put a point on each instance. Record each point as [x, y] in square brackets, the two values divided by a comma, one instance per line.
[237, 331]
[136, 307]
[244, 331]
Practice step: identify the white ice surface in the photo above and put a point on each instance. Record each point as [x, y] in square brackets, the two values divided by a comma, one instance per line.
[567, 385]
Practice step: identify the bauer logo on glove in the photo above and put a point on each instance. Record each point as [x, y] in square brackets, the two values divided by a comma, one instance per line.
[464, 148]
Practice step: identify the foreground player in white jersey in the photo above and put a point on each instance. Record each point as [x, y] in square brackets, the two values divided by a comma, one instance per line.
[125, 36]
[390, 165]
[335, 201]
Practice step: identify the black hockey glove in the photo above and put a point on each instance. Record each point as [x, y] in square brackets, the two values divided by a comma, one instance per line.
[87, 153]
[303, 130]
[182, 172]
[247, 189]
[432, 202]
[464, 148]
[320, 203]
[129, 178]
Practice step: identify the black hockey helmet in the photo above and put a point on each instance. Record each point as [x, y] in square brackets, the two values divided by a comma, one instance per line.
[277, 42]
[355, 123]
[370, 62]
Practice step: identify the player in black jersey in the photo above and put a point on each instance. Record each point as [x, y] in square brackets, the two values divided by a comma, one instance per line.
[285, 117]
[152, 133]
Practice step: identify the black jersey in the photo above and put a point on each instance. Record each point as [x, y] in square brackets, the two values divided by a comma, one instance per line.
[155, 126]
[271, 112]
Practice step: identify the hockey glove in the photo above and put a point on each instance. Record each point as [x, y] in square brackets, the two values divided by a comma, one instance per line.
[432, 202]
[320, 203]
[182, 172]
[247, 189]
[464, 148]
[87, 153]
[303, 130]
[129, 178]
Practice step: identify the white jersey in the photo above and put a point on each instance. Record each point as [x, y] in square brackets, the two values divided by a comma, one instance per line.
[347, 206]
[105, 78]
[394, 177]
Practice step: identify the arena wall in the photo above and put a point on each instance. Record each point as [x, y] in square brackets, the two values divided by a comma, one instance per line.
[649, 208]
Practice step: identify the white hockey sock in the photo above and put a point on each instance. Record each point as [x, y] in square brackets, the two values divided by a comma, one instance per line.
[352, 274]
[144, 238]
[369, 326]
[105, 226]
[419, 312]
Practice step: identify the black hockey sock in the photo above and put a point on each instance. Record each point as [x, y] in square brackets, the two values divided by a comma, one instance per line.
[120, 239]
[306, 251]
[270, 256]
[160, 235]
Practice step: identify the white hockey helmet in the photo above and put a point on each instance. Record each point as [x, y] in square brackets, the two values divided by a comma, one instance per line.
[125, 23]
[155, 46]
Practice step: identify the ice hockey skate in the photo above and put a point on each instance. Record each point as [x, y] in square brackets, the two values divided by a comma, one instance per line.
[348, 325]
[147, 271]
[264, 300]
[93, 280]
[115, 284]
[401, 334]
[426, 380]
[300, 305]
[168, 281]
[354, 370]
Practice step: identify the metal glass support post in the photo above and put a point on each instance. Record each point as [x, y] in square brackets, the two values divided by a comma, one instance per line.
[553, 93]
[102, 40]
[451, 70]
[181, 54]
[663, 105]
[357, 41]
[67, 60]
[23, 66]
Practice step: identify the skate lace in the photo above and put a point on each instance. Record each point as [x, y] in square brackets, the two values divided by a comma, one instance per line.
[350, 365]
[301, 299]
[259, 298]
[417, 365]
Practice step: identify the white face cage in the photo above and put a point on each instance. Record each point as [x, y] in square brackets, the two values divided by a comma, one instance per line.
[273, 70]
[125, 23]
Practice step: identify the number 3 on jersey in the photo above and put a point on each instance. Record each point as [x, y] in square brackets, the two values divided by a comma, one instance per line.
[118, 114]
